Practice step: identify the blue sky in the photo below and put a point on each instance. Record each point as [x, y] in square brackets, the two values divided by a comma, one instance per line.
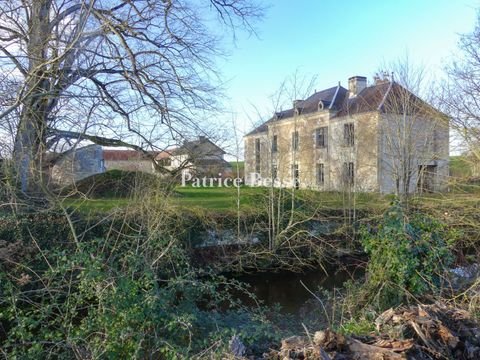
[337, 39]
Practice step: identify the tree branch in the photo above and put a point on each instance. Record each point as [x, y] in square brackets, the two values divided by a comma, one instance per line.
[104, 141]
[14, 60]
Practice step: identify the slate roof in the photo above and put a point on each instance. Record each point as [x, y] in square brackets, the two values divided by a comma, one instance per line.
[369, 99]
[388, 97]
[334, 94]
[260, 129]
[197, 147]
[383, 97]
[331, 98]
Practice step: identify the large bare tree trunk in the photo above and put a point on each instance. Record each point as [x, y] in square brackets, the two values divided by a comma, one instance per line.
[29, 149]
[136, 69]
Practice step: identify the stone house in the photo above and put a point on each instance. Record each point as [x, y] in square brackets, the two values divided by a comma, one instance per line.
[200, 157]
[377, 138]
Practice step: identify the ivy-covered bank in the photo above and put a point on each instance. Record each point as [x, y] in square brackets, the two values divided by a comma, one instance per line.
[117, 288]
[138, 282]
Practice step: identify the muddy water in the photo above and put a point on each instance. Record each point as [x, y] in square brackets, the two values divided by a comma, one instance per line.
[286, 288]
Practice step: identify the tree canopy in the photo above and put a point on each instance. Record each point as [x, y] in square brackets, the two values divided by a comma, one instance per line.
[105, 69]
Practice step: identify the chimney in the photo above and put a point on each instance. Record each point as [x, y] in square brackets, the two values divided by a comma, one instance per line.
[355, 85]
[202, 138]
[382, 78]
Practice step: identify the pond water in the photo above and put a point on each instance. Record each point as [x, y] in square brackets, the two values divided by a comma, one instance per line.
[286, 289]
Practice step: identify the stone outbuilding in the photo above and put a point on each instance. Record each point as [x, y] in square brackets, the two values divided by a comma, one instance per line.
[197, 157]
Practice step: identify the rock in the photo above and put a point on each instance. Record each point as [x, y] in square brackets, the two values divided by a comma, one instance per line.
[319, 338]
[236, 346]
[464, 276]
[293, 342]
[328, 340]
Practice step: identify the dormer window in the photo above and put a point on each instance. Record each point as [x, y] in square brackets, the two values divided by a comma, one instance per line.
[321, 105]
[297, 106]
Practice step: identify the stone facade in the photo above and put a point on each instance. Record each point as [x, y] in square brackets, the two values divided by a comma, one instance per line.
[77, 164]
[341, 139]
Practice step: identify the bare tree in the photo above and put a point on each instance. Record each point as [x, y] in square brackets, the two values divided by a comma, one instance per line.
[110, 71]
[278, 152]
[9, 123]
[461, 93]
[414, 133]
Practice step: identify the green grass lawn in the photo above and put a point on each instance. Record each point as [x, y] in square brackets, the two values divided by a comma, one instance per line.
[255, 197]
[222, 199]
[110, 190]
[215, 198]
[218, 198]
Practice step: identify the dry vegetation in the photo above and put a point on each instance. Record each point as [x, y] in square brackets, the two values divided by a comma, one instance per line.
[120, 268]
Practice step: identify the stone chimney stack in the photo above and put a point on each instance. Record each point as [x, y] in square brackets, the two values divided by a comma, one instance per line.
[355, 85]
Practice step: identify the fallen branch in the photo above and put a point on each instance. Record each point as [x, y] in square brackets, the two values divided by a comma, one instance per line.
[418, 332]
